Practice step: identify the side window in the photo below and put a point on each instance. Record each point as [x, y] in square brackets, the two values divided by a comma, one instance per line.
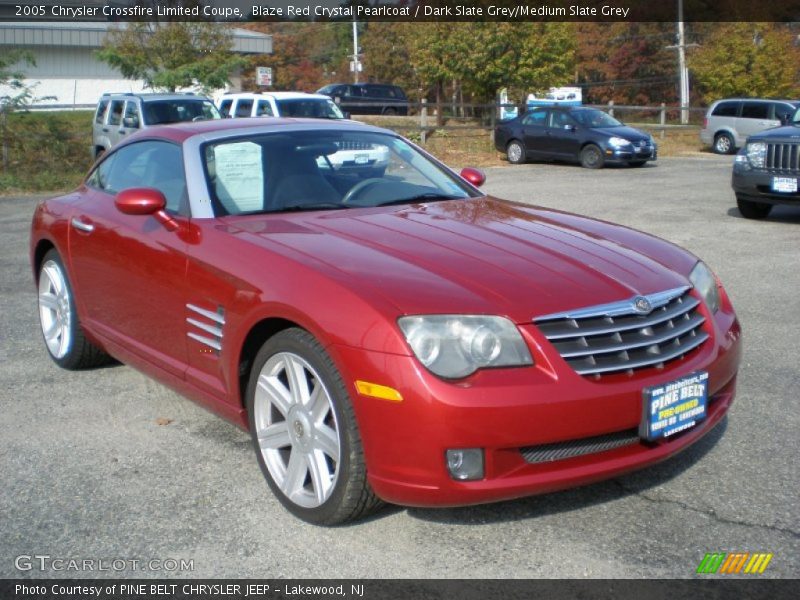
[263, 109]
[98, 178]
[755, 110]
[225, 108]
[537, 117]
[560, 120]
[150, 164]
[783, 111]
[115, 114]
[244, 108]
[101, 111]
[131, 118]
[726, 109]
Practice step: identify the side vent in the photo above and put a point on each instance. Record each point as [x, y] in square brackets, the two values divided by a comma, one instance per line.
[206, 326]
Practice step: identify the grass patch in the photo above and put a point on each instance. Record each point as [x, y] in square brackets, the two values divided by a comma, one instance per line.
[47, 151]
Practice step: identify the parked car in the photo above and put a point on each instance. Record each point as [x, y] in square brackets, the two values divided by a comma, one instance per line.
[404, 338]
[767, 169]
[575, 134]
[729, 122]
[279, 104]
[119, 115]
[368, 98]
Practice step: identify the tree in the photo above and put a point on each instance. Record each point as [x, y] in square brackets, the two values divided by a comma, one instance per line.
[173, 55]
[747, 59]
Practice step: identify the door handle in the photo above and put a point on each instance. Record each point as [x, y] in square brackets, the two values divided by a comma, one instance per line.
[105, 129]
[122, 132]
[81, 226]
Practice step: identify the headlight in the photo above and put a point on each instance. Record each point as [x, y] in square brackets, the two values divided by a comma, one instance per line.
[454, 346]
[757, 154]
[618, 142]
[705, 283]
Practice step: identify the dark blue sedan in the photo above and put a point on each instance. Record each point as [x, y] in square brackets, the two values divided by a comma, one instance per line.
[575, 134]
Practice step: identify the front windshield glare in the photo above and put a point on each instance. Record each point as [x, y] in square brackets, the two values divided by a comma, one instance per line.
[595, 118]
[322, 170]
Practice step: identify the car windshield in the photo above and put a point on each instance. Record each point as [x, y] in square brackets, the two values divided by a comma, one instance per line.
[161, 112]
[315, 108]
[322, 170]
[327, 89]
[594, 118]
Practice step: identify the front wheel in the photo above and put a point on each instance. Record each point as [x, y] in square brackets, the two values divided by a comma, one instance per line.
[61, 327]
[305, 433]
[515, 152]
[592, 157]
[753, 210]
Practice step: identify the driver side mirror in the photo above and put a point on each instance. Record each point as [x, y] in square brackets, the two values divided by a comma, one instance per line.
[474, 176]
[145, 201]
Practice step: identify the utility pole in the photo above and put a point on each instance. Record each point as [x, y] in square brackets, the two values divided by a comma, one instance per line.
[683, 72]
[355, 64]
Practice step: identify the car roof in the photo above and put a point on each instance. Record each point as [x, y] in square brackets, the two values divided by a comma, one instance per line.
[787, 101]
[180, 132]
[151, 96]
[276, 95]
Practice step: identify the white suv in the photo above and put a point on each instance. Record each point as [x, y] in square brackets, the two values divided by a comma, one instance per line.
[370, 161]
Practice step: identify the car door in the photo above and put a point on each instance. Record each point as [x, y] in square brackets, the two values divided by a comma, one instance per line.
[129, 270]
[562, 137]
[114, 121]
[754, 118]
[534, 132]
[131, 120]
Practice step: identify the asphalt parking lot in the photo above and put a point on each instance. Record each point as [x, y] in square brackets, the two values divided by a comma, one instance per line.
[109, 464]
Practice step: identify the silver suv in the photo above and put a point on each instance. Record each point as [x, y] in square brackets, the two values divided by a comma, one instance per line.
[728, 122]
[118, 115]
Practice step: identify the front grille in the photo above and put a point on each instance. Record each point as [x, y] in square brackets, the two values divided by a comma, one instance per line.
[613, 337]
[572, 448]
[783, 157]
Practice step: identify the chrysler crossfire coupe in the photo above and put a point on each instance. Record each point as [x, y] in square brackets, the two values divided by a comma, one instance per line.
[397, 336]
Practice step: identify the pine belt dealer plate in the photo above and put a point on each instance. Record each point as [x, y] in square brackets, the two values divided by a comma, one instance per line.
[787, 185]
[674, 406]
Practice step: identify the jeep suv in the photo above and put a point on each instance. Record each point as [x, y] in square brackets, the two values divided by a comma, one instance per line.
[118, 115]
[367, 98]
[767, 169]
[728, 122]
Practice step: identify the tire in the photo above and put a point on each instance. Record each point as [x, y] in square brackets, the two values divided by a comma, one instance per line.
[723, 143]
[61, 328]
[753, 210]
[304, 431]
[390, 112]
[515, 152]
[592, 157]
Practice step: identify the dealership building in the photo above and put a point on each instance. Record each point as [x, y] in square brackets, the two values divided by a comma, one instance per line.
[66, 66]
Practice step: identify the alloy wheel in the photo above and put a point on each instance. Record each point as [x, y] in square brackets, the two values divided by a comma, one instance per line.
[54, 309]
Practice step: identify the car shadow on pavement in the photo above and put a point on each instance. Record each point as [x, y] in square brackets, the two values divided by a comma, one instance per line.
[778, 214]
[576, 498]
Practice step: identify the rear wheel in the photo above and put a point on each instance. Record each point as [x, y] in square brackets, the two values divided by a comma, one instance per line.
[515, 152]
[61, 328]
[305, 433]
[753, 210]
[592, 157]
[723, 143]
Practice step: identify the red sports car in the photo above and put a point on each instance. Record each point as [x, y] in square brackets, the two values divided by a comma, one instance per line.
[388, 332]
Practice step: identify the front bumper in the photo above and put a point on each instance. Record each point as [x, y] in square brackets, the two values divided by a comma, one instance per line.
[506, 410]
[755, 185]
[628, 154]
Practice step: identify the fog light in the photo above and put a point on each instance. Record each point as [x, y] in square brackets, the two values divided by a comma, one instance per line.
[465, 464]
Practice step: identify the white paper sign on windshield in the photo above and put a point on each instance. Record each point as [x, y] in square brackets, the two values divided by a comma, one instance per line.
[239, 177]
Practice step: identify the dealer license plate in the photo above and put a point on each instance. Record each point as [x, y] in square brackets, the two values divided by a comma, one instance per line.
[674, 406]
[784, 184]
[362, 159]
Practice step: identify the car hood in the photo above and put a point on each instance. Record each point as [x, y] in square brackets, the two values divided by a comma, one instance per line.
[474, 256]
[623, 131]
[789, 132]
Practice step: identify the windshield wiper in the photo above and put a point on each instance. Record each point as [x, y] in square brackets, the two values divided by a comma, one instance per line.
[427, 197]
[307, 207]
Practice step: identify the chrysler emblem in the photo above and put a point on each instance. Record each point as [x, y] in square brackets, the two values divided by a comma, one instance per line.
[642, 305]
